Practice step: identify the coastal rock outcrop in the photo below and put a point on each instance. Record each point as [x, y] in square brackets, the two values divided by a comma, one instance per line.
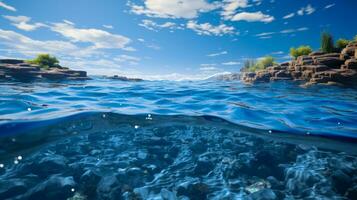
[20, 70]
[315, 68]
[123, 78]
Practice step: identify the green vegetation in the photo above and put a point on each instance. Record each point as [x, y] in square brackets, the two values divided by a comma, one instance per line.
[45, 61]
[300, 51]
[355, 38]
[341, 43]
[327, 45]
[253, 66]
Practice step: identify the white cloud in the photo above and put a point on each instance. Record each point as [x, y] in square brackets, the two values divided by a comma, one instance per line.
[217, 54]
[29, 47]
[187, 9]
[230, 7]
[127, 59]
[98, 38]
[329, 6]
[108, 26]
[308, 10]
[153, 26]
[252, 17]
[294, 30]
[7, 7]
[265, 34]
[22, 22]
[209, 29]
[277, 52]
[231, 63]
[289, 16]
[208, 67]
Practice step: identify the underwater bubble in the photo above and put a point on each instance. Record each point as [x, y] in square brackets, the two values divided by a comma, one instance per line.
[270, 131]
[2, 165]
[136, 126]
[29, 109]
[16, 162]
[19, 157]
[73, 190]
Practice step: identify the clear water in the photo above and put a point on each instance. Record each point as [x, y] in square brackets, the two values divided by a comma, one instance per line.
[105, 139]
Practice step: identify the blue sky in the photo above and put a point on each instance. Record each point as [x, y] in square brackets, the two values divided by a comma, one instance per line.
[167, 39]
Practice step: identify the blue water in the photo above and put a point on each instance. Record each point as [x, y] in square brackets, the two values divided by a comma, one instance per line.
[176, 140]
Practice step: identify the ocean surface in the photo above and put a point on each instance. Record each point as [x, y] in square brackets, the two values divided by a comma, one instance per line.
[110, 139]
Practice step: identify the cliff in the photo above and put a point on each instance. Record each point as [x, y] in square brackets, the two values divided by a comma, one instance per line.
[315, 68]
[20, 70]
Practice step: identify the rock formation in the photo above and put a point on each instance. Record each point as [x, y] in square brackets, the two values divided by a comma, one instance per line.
[315, 68]
[20, 70]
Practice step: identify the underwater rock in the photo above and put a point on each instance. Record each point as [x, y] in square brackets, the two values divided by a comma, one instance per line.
[264, 194]
[55, 187]
[11, 188]
[109, 188]
[51, 164]
[88, 182]
[195, 191]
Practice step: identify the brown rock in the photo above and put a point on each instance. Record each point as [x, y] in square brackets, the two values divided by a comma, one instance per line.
[332, 62]
[11, 61]
[344, 56]
[316, 53]
[283, 74]
[285, 64]
[315, 68]
[349, 51]
[296, 74]
[351, 64]
[326, 55]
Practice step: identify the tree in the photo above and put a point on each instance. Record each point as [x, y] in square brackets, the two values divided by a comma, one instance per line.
[45, 61]
[300, 51]
[327, 43]
[341, 43]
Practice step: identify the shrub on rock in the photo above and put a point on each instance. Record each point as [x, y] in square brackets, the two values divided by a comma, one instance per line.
[300, 51]
[45, 61]
[341, 43]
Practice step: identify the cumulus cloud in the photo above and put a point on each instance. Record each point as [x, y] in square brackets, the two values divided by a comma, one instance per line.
[308, 10]
[187, 9]
[153, 26]
[23, 23]
[98, 38]
[217, 54]
[7, 7]
[252, 17]
[27, 46]
[230, 6]
[209, 29]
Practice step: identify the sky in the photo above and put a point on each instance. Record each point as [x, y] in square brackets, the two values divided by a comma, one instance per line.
[168, 39]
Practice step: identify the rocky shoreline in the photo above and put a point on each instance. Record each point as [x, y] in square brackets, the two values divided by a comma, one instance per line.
[315, 68]
[21, 70]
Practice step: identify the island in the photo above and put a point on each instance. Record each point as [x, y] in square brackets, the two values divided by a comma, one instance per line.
[44, 66]
[331, 65]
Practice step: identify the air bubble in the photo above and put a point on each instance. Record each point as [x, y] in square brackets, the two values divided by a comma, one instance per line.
[29, 109]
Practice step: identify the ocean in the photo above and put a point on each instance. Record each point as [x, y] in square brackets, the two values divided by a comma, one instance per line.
[111, 139]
